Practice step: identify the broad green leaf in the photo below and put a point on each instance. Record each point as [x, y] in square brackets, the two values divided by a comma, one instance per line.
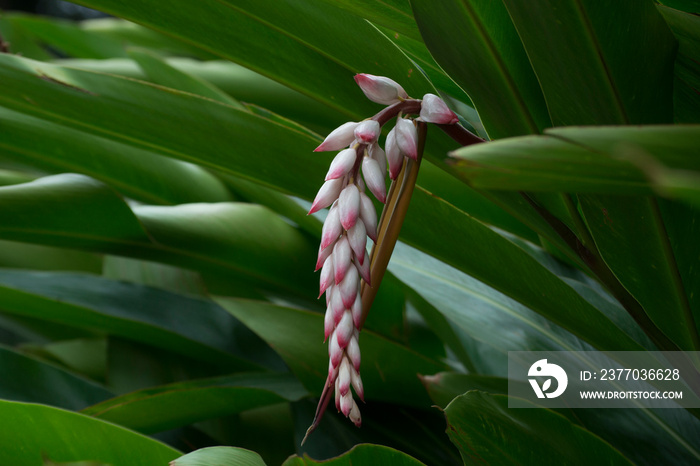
[136, 173]
[17, 255]
[35, 381]
[581, 159]
[65, 436]
[220, 456]
[87, 356]
[297, 336]
[595, 65]
[691, 6]
[500, 264]
[393, 14]
[686, 84]
[245, 241]
[486, 431]
[283, 40]
[646, 266]
[361, 454]
[181, 324]
[68, 37]
[161, 73]
[477, 45]
[162, 408]
[22, 41]
[446, 386]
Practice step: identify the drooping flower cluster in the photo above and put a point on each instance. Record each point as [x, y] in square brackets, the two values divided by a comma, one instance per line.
[343, 257]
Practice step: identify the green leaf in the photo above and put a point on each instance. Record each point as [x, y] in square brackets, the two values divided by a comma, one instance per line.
[446, 386]
[646, 266]
[486, 431]
[161, 73]
[686, 84]
[181, 324]
[163, 408]
[137, 173]
[68, 37]
[393, 14]
[477, 45]
[596, 65]
[582, 159]
[65, 436]
[283, 40]
[297, 336]
[244, 241]
[502, 265]
[361, 454]
[32, 380]
[691, 6]
[86, 356]
[220, 456]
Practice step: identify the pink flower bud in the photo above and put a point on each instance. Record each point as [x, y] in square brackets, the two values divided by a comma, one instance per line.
[353, 352]
[331, 227]
[380, 89]
[326, 195]
[339, 138]
[343, 332]
[337, 306]
[344, 376]
[335, 352]
[329, 292]
[357, 237]
[357, 384]
[354, 415]
[348, 287]
[407, 138]
[368, 131]
[341, 164]
[328, 324]
[323, 254]
[326, 276]
[342, 255]
[346, 403]
[356, 310]
[369, 216]
[363, 270]
[393, 154]
[349, 206]
[434, 110]
[374, 179]
[378, 154]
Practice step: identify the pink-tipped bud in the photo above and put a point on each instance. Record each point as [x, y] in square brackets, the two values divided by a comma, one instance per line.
[342, 255]
[339, 138]
[349, 206]
[337, 395]
[332, 228]
[407, 138]
[368, 131]
[328, 324]
[337, 306]
[357, 237]
[378, 154]
[363, 270]
[354, 415]
[344, 376]
[326, 276]
[346, 403]
[393, 154]
[323, 254]
[357, 384]
[353, 352]
[349, 286]
[326, 195]
[341, 164]
[356, 310]
[380, 89]
[329, 292]
[369, 216]
[343, 332]
[335, 352]
[434, 110]
[374, 179]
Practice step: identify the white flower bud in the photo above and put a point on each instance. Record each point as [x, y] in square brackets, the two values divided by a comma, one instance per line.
[380, 89]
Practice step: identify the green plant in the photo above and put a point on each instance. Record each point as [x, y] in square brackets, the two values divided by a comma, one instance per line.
[158, 260]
